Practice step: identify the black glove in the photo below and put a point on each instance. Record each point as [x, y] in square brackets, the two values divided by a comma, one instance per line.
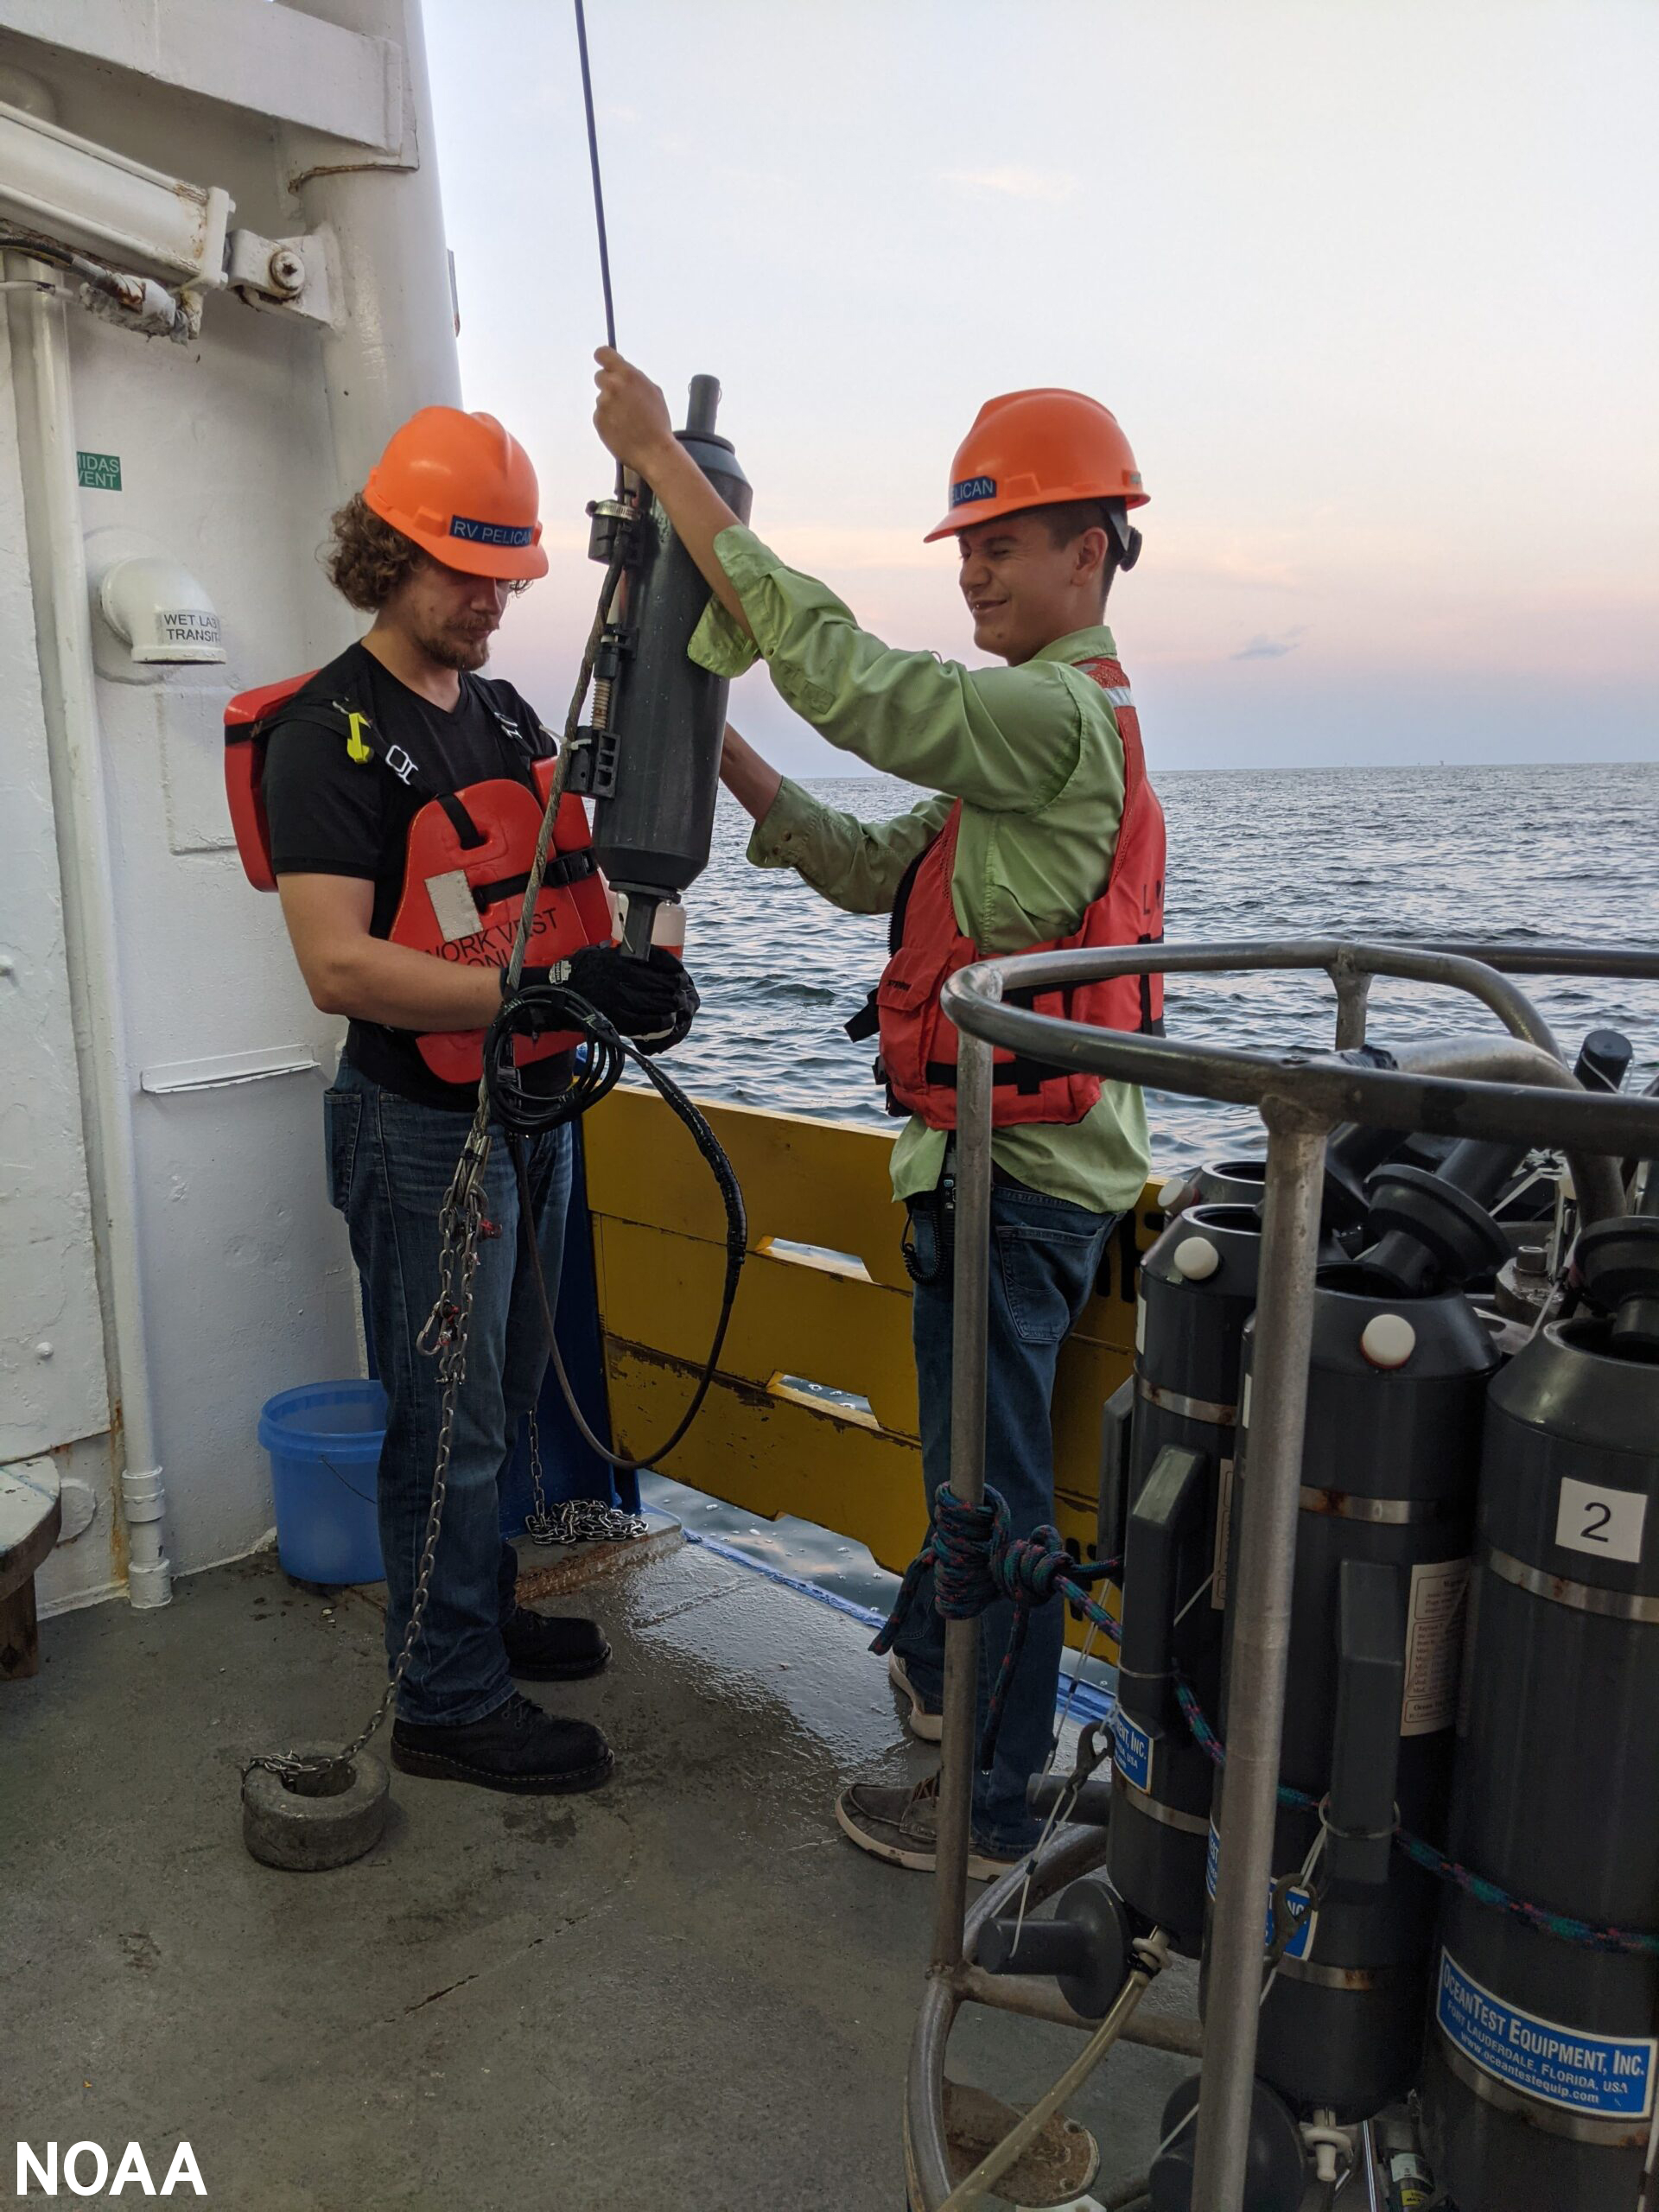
[652, 1000]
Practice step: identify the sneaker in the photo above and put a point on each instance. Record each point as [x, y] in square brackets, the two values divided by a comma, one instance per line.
[516, 1747]
[553, 1647]
[923, 1720]
[902, 1827]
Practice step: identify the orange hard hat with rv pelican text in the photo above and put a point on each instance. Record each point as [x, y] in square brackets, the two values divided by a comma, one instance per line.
[464, 491]
[1039, 449]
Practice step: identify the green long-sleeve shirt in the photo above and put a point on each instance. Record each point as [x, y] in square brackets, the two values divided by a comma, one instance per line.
[1033, 754]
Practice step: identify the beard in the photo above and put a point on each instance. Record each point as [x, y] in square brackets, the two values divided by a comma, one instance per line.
[457, 648]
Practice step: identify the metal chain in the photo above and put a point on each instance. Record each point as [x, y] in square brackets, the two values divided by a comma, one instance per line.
[447, 1328]
[444, 1336]
[574, 1520]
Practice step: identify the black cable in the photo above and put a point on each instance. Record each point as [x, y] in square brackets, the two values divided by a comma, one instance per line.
[599, 206]
[549, 1006]
[598, 190]
[543, 1007]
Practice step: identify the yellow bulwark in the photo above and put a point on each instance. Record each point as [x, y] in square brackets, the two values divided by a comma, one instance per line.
[823, 1306]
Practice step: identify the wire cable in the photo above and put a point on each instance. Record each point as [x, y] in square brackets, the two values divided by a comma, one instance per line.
[552, 1006]
[444, 1336]
[598, 205]
[599, 189]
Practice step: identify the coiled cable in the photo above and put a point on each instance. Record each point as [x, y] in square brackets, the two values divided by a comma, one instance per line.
[599, 1066]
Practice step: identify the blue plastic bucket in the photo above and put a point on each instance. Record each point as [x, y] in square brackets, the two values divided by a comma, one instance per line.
[324, 1443]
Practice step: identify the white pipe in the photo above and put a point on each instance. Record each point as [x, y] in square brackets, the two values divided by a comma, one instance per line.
[392, 346]
[40, 350]
[69, 189]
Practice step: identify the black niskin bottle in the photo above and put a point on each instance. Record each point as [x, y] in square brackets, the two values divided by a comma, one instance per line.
[651, 758]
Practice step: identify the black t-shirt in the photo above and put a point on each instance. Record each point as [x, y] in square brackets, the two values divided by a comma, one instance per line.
[334, 814]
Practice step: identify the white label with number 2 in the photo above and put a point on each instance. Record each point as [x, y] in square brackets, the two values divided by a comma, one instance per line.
[1606, 1522]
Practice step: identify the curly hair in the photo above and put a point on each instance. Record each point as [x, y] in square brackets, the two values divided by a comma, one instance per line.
[366, 559]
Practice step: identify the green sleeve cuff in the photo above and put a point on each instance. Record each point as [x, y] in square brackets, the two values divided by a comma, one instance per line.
[784, 835]
[718, 646]
[717, 643]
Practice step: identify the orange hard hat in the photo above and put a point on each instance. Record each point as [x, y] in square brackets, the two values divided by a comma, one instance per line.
[1036, 449]
[464, 491]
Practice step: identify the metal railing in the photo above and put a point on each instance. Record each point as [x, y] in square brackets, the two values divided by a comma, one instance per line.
[1515, 1088]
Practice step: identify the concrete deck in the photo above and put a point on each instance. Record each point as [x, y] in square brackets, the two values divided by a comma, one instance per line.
[684, 1991]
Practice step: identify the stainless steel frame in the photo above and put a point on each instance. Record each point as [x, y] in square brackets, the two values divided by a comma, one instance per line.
[1473, 1086]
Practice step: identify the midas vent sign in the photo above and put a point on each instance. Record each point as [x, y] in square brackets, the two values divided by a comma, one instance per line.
[86, 2170]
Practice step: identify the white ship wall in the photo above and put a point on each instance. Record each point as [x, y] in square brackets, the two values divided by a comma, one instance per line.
[227, 456]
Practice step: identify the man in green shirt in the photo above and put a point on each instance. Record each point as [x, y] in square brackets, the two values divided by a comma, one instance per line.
[1041, 793]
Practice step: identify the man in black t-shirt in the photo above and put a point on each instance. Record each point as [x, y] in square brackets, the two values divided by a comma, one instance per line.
[334, 815]
[443, 533]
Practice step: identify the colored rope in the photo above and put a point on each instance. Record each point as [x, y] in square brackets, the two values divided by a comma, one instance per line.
[1625, 1941]
[1215, 1751]
[978, 1563]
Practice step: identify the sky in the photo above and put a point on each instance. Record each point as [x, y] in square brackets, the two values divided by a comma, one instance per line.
[1371, 285]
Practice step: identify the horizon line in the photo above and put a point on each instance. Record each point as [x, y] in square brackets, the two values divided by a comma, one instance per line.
[1284, 768]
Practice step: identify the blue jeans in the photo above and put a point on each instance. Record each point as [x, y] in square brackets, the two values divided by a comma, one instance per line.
[390, 1165]
[1044, 1255]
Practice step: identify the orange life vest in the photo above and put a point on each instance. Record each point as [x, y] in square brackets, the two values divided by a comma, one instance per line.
[467, 858]
[919, 1040]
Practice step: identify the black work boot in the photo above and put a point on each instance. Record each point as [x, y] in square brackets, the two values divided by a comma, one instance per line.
[516, 1747]
[553, 1647]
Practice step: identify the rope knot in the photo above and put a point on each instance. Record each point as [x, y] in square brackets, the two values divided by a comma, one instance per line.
[971, 1549]
[977, 1563]
[1030, 1570]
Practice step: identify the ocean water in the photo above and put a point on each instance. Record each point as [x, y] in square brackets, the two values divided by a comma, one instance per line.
[1547, 854]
